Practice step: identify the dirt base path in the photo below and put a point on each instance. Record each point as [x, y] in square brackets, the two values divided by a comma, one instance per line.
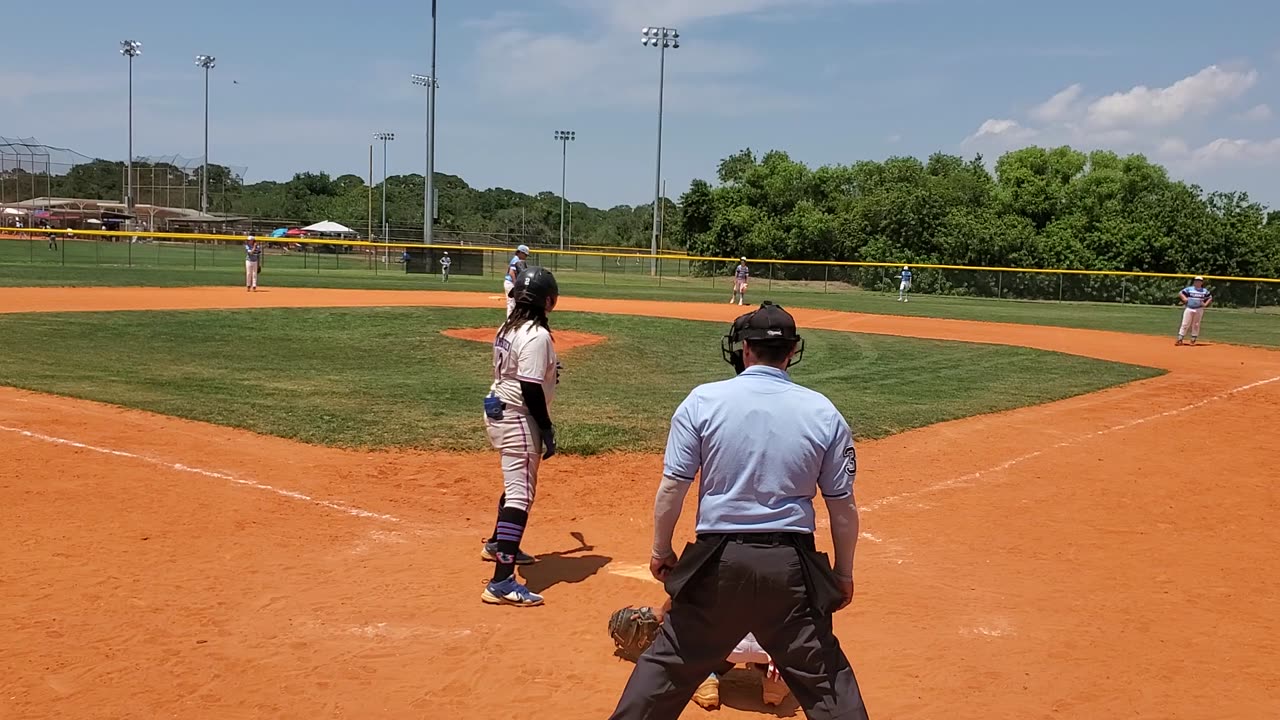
[1107, 556]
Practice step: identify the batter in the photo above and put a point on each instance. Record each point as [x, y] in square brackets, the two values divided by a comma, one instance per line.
[518, 422]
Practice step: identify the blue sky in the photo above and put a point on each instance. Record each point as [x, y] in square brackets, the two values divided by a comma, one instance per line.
[1190, 84]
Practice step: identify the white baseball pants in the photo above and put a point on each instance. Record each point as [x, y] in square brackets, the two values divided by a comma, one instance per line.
[251, 273]
[1191, 321]
[519, 442]
[507, 285]
[748, 651]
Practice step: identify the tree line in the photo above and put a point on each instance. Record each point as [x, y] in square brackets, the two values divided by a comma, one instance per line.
[1040, 208]
[312, 196]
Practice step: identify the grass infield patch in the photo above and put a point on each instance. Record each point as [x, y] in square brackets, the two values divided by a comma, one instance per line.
[387, 377]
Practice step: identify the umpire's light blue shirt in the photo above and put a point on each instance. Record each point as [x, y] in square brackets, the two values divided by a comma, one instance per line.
[765, 446]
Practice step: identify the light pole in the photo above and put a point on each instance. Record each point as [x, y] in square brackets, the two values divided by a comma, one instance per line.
[661, 38]
[130, 49]
[428, 191]
[429, 229]
[207, 62]
[564, 137]
[384, 137]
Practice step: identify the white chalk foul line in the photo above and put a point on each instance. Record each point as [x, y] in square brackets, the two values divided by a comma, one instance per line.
[963, 479]
[292, 494]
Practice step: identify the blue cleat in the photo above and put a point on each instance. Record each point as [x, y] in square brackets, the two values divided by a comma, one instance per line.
[510, 592]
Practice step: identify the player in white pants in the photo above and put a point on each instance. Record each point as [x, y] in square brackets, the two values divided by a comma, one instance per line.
[518, 422]
[1196, 297]
[517, 265]
[740, 276]
[252, 258]
[905, 286]
[747, 652]
[446, 262]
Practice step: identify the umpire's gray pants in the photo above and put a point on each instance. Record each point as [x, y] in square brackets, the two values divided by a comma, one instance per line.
[748, 588]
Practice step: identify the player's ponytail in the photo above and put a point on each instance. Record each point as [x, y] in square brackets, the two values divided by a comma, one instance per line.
[523, 313]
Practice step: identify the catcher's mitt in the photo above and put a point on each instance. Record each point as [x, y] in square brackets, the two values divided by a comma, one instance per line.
[633, 630]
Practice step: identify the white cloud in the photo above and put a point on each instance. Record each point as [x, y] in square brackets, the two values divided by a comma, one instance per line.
[1258, 113]
[1143, 119]
[894, 139]
[1059, 106]
[1153, 107]
[557, 71]
[677, 13]
[1224, 151]
[1002, 130]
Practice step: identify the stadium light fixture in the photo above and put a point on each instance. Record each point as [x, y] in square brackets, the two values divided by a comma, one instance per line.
[661, 38]
[564, 137]
[130, 49]
[207, 62]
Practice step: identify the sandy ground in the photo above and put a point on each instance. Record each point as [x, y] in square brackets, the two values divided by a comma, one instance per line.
[1109, 556]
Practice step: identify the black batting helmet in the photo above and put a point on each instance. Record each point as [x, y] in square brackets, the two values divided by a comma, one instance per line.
[536, 286]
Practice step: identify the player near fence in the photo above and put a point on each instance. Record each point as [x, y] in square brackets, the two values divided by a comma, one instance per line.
[1196, 297]
[740, 275]
[518, 423]
[904, 285]
[515, 266]
[252, 263]
[446, 262]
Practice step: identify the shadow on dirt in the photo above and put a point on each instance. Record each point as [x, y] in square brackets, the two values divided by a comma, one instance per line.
[564, 566]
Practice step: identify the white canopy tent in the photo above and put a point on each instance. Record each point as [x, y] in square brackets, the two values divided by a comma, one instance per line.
[329, 227]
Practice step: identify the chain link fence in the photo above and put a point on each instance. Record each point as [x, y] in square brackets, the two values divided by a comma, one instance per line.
[626, 269]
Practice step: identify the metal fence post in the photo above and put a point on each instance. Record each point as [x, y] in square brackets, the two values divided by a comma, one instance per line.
[194, 250]
[826, 274]
[659, 272]
[1257, 288]
[770, 277]
[1124, 286]
[999, 285]
[1059, 287]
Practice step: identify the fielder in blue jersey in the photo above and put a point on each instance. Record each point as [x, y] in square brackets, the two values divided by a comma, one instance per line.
[905, 285]
[518, 264]
[1196, 297]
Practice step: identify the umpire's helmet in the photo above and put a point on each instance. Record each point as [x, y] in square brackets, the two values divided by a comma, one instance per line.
[536, 286]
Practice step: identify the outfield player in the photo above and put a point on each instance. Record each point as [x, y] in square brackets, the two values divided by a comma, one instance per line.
[518, 422]
[905, 285]
[740, 275]
[518, 263]
[445, 263]
[252, 258]
[1196, 297]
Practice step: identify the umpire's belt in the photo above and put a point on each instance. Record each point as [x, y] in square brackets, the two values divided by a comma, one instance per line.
[796, 539]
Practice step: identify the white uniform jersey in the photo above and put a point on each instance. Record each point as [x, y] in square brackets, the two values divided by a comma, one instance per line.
[523, 354]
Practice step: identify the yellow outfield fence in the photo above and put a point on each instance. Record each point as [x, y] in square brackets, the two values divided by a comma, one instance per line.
[620, 267]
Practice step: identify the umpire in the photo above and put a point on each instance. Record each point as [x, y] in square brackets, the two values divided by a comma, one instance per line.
[765, 446]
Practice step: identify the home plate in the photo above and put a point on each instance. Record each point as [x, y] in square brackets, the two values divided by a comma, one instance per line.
[636, 572]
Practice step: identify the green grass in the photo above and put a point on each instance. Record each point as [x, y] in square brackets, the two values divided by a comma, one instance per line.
[108, 264]
[385, 377]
